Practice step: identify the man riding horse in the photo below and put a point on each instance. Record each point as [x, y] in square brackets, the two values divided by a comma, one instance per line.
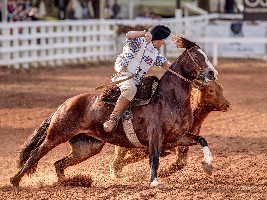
[162, 123]
[139, 54]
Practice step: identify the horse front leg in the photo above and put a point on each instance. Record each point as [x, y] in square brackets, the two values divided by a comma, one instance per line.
[207, 154]
[154, 165]
[155, 144]
[190, 140]
[182, 143]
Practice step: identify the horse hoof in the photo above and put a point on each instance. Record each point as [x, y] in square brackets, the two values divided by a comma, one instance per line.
[207, 168]
[61, 179]
[154, 183]
[113, 175]
[15, 183]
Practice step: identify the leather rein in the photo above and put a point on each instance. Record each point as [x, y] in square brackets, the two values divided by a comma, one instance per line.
[182, 77]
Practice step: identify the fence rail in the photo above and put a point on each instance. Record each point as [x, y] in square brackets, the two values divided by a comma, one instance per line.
[26, 44]
[53, 43]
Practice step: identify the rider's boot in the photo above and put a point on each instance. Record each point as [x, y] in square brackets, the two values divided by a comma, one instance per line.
[120, 106]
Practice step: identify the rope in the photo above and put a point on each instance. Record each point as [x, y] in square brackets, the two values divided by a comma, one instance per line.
[138, 69]
[183, 78]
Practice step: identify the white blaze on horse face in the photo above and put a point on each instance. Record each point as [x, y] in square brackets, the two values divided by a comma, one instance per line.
[207, 155]
[211, 67]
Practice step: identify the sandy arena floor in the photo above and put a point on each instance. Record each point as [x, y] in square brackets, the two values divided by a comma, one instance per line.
[237, 139]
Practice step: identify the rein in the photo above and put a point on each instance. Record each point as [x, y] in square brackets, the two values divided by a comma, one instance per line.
[182, 77]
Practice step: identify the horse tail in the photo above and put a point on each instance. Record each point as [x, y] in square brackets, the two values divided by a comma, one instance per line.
[33, 142]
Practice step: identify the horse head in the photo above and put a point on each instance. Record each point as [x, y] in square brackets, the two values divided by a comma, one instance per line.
[195, 63]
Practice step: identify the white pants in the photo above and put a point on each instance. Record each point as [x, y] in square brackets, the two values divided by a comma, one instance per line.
[128, 88]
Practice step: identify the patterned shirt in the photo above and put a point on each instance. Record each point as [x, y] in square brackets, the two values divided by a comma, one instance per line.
[132, 54]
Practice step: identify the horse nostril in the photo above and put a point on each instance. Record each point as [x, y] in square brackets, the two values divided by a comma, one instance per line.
[211, 73]
[229, 106]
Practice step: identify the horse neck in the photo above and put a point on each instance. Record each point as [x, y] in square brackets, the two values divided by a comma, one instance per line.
[199, 115]
[173, 87]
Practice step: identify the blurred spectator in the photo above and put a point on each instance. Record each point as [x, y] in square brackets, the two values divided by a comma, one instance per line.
[96, 6]
[27, 5]
[229, 6]
[85, 10]
[149, 13]
[0, 11]
[61, 6]
[116, 8]
[18, 10]
[91, 11]
[33, 14]
[107, 10]
[71, 11]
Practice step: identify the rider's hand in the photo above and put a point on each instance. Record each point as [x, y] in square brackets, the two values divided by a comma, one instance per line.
[148, 36]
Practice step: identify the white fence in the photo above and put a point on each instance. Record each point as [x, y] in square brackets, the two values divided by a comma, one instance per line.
[231, 40]
[26, 44]
[55, 43]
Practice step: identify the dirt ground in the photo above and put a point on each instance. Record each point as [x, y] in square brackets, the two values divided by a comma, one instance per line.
[237, 139]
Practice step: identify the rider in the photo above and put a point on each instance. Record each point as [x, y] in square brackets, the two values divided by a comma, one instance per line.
[139, 54]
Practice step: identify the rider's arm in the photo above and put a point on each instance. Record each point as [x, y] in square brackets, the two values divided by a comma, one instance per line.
[136, 34]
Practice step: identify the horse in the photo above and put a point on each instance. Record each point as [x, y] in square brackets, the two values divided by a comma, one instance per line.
[164, 121]
[203, 101]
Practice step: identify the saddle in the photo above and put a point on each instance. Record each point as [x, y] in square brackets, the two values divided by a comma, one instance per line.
[145, 91]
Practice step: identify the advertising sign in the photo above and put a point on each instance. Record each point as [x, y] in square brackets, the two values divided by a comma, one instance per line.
[255, 10]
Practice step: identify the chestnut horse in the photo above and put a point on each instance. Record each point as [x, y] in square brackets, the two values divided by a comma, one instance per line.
[164, 122]
[203, 101]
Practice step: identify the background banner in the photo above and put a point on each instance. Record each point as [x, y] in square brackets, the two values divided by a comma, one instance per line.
[255, 10]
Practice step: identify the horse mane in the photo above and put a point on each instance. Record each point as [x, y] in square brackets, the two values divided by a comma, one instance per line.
[181, 42]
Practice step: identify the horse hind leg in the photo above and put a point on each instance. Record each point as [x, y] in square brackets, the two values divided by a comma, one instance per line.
[117, 162]
[82, 148]
[125, 156]
[35, 156]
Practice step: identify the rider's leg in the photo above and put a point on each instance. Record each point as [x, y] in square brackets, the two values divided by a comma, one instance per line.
[128, 91]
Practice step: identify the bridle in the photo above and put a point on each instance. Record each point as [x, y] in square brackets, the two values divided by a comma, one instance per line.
[182, 77]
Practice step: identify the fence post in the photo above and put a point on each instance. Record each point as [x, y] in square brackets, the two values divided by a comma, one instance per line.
[215, 53]
[6, 43]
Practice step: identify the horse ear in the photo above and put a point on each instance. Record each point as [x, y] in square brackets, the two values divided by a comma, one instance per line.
[183, 43]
